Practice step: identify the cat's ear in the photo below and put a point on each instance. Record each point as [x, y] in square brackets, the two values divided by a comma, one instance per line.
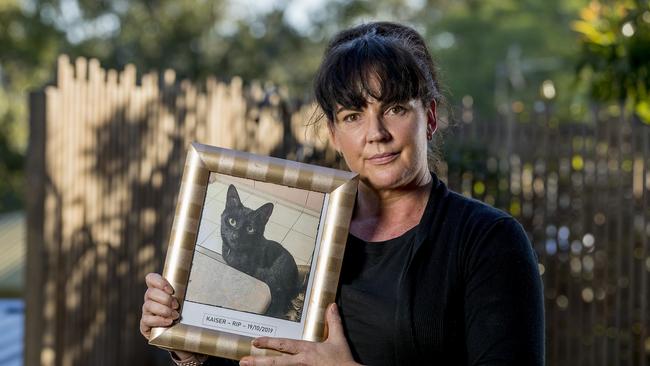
[263, 213]
[232, 197]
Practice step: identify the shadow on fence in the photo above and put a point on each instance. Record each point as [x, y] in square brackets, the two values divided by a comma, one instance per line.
[105, 162]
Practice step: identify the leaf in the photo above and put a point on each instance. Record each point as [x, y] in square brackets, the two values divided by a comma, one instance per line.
[592, 33]
[642, 109]
[591, 12]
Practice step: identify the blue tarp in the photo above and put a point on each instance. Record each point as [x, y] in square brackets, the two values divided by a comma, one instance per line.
[12, 315]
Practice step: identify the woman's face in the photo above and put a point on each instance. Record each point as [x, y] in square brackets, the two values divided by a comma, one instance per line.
[385, 143]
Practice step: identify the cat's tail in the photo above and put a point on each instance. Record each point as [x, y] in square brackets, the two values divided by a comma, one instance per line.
[297, 301]
[303, 278]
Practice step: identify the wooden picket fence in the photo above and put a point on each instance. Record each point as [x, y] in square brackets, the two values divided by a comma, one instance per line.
[104, 166]
[581, 191]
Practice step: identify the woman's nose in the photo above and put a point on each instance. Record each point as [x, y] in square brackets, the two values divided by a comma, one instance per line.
[377, 131]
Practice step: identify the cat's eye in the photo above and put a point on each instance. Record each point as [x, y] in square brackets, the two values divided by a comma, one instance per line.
[250, 229]
[232, 221]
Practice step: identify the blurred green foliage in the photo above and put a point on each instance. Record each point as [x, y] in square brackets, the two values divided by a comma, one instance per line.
[615, 54]
[28, 48]
[498, 52]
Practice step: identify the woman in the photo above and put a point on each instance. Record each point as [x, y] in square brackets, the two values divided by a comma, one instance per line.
[429, 276]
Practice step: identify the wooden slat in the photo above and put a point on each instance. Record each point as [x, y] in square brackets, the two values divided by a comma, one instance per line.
[36, 242]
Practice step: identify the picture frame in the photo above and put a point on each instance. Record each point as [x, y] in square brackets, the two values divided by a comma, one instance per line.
[222, 321]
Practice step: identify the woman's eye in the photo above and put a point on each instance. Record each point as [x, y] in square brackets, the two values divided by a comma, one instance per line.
[249, 229]
[398, 109]
[232, 221]
[351, 117]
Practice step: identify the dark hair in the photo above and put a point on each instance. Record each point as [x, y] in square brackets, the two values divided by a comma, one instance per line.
[394, 55]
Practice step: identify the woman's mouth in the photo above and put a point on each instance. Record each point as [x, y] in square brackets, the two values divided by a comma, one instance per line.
[383, 158]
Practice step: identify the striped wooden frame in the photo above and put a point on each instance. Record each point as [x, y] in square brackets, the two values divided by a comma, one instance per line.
[201, 161]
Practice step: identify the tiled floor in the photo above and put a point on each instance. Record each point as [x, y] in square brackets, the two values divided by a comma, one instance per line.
[290, 225]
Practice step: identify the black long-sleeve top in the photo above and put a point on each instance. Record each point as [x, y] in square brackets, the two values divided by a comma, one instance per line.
[461, 288]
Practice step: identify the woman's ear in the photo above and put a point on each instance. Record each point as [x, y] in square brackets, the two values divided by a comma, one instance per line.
[432, 118]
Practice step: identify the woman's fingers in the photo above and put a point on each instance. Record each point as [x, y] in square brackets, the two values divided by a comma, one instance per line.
[153, 321]
[145, 330]
[334, 325]
[154, 308]
[334, 351]
[149, 321]
[269, 361]
[159, 308]
[157, 281]
[283, 345]
[161, 297]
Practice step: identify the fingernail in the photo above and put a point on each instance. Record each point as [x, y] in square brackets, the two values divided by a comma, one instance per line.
[244, 363]
[174, 304]
[255, 342]
[334, 310]
[175, 314]
[169, 290]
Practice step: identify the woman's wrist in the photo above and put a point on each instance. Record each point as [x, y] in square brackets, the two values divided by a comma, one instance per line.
[182, 358]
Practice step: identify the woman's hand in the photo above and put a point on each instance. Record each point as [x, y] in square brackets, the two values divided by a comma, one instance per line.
[159, 308]
[334, 351]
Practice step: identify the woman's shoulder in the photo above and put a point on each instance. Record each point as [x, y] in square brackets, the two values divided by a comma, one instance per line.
[485, 229]
[466, 211]
[465, 221]
[456, 207]
[476, 208]
[474, 223]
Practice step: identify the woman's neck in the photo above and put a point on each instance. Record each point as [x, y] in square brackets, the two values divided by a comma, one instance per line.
[388, 213]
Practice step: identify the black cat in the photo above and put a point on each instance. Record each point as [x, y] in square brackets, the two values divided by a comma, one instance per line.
[245, 248]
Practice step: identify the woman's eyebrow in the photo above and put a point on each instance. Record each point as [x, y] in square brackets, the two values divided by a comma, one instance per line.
[341, 109]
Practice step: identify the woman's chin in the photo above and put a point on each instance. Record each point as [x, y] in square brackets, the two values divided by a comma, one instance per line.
[384, 180]
[391, 177]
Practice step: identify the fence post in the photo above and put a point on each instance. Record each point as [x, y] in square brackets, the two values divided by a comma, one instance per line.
[35, 168]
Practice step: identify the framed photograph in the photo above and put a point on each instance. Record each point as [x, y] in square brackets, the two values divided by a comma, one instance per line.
[255, 250]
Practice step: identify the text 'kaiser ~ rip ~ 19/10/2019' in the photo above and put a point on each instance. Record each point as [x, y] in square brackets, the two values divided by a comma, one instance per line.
[240, 325]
